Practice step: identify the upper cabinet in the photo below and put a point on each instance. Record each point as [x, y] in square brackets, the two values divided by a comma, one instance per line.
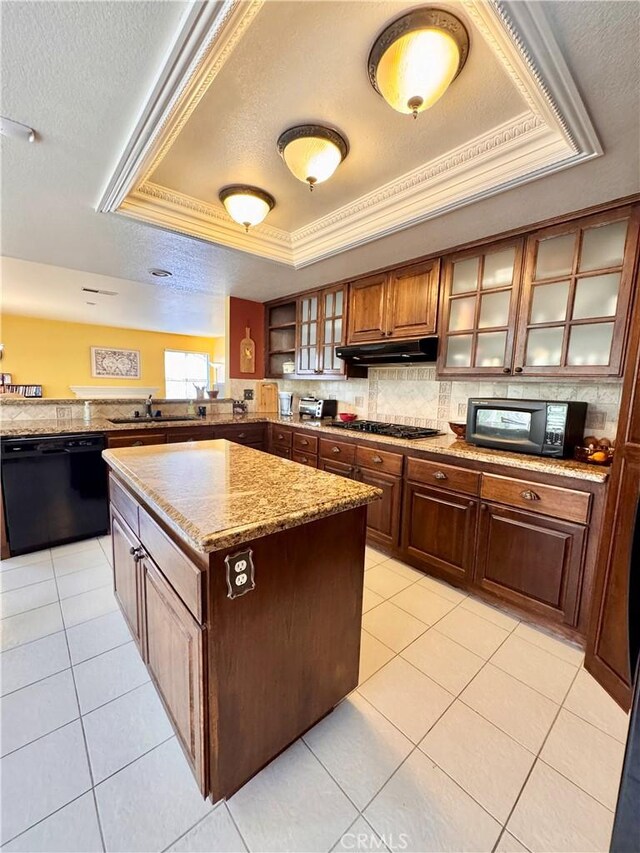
[556, 304]
[320, 329]
[399, 304]
[576, 290]
[479, 305]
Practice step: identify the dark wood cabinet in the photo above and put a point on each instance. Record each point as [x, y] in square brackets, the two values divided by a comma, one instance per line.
[367, 309]
[126, 574]
[399, 304]
[174, 645]
[383, 516]
[342, 469]
[321, 327]
[531, 561]
[438, 531]
[139, 438]
[182, 434]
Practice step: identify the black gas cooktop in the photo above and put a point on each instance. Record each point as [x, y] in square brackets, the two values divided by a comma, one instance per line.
[391, 430]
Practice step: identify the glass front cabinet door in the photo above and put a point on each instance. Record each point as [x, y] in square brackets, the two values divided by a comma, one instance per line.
[308, 351]
[479, 303]
[321, 328]
[334, 301]
[576, 289]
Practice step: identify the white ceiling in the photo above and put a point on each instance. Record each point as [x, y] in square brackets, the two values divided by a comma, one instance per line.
[78, 72]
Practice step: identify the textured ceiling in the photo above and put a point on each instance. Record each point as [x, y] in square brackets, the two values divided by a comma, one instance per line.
[90, 66]
[319, 74]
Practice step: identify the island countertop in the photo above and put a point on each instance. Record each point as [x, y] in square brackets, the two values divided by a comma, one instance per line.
[217, 494]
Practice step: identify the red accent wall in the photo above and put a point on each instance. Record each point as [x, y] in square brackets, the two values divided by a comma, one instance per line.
[243, 313]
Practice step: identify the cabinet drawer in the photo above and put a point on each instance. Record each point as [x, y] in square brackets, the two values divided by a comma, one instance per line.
[124, 503]
[337, 450]
[568, 504]
[379, 460]
[282, 437]
[139, 439]
[279, 450]
[185, 577]
[249, 434]
[309, 459]
[182, 434]
[305, 443]
[445, 476]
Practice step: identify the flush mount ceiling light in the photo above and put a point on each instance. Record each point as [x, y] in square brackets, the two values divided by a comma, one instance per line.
[415, 59]
[246, 205]
[160, 273]
[312, 152]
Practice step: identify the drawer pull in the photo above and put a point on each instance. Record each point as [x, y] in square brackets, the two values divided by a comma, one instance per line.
[483, 507]
[137, 444]
[377, 459]
[440, 475]
[470, 504]
[304, 441]
[304, 460]
[136, 553]
[242, 435]
[528, 495]
[335, 450]
[280, 435]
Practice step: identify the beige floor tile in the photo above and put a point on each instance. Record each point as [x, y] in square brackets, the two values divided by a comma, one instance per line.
[591, 702]
[358, 838]
[73, 829]
[491, 614]
[359, 747]
[560, 648]
[373, 655]
[586, 756]
[518, 710]
[31, 625]
[88, 605]
[422, 809]
[451, 593]
[32, 573]
[374, 557]
[552, 814]
[67, 564]
[406, 697]
[473, 632]
[392, 626]
[385, 582]
[85, 580]
[27, 598]
[24, 560]
[481, 758]
[422, 603]
[216, 832]
[370, 599]
[403, 570]
[536, 667]
[448, 663]
[509, 844]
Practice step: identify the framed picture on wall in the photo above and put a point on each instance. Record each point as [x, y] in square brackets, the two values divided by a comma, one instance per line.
[112, 363]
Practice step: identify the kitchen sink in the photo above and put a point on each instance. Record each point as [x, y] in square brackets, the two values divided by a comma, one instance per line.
[161, 419]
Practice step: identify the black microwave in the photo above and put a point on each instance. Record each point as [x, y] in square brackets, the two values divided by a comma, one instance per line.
[543, 427]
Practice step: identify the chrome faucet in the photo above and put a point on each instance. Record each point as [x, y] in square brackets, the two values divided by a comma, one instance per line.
[148, 407]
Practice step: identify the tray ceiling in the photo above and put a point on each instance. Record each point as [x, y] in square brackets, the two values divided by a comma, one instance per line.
[232, 84]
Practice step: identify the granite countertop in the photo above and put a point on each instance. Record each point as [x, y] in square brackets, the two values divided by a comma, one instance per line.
[441, 445]
[217, 494]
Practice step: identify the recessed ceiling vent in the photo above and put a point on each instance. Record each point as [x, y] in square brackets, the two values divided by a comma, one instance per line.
[101, 292]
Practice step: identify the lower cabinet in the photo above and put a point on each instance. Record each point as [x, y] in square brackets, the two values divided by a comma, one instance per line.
[439, 530]
[531, 561]
[126, 574]
[140, 438]
[383, 516]
[174, 653]
[333, 467]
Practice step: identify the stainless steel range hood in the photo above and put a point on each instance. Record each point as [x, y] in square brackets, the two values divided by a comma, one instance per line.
[391, 352]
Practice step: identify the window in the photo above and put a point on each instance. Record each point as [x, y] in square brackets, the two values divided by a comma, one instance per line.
[183, 371]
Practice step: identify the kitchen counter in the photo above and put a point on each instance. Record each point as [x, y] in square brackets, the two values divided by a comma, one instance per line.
[445, 445]
[216, 494]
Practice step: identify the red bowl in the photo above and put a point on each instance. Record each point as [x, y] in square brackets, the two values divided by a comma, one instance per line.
[347, 416]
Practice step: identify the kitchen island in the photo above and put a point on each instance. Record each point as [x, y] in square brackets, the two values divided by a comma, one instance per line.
[240, 576]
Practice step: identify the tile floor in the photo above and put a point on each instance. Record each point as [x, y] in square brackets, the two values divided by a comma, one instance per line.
[469, 730]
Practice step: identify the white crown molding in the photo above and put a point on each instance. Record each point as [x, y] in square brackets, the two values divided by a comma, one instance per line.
[554, 133]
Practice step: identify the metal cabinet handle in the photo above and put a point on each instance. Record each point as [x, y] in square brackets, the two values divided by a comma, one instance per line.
[242, 435]
[528, 495]
[518, 370]
[304, 459]
[137, 444]
[483, 507]
[440, 475]
[335, 450]
[506, 370]
[136, 553]
[377, 459]
[304, 441]
[280, 435]
[470, 504]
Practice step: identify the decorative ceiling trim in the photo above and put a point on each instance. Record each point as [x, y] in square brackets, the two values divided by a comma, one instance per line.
[553, 134]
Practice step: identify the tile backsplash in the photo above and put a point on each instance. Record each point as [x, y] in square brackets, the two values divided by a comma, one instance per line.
[413, 396]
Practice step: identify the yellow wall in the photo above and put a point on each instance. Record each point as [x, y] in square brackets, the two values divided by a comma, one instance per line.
[57, 354]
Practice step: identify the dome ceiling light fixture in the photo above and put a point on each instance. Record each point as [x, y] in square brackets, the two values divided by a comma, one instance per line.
[416, 58]
[246, 205]
[312, 152]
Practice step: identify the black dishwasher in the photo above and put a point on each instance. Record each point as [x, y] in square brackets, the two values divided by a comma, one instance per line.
[54, 489]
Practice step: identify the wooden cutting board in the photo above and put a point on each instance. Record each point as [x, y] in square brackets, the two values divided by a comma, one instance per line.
[247, 353]
[267, 397]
